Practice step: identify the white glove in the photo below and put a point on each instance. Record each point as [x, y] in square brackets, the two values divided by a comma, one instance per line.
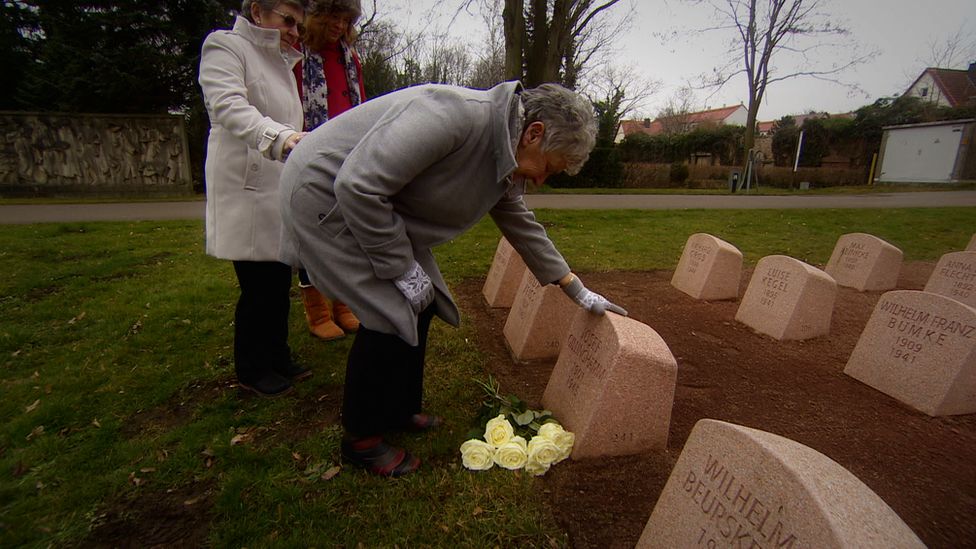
[591, 301]
[415, 285]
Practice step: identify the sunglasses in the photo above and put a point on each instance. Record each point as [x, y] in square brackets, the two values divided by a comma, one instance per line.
[289, 20]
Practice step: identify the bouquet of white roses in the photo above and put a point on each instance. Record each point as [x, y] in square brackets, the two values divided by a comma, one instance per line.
[516, 437]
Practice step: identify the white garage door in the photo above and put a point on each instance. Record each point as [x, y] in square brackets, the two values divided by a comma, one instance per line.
[924, 155]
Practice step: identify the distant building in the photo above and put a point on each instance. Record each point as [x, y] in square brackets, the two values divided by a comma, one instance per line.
[946, 87]
[764, 136]
[730, 116]
[931, 152]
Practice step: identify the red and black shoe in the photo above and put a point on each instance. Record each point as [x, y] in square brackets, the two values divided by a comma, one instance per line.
[419, 423]
[378, 457]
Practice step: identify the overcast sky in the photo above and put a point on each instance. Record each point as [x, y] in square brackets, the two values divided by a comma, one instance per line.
[900, 31]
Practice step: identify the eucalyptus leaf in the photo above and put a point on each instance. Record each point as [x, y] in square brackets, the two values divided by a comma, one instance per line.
[524, 418]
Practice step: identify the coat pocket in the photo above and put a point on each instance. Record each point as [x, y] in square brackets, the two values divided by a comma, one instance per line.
[332, 223]
[252, 170]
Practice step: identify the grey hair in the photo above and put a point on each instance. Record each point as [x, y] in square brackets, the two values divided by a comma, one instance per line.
[569, 119]
[268, 5]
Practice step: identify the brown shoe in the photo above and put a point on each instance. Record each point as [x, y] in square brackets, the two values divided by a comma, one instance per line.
[345, 317]
[319, 315]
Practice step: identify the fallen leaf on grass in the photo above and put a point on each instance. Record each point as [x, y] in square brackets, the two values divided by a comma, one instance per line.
[208, 457]
[32, 407]
[240, 439]
[147, 470]
[296, 456]
[192, 501]
[332, 472]
[96, 423]
[36, 432]
[77, 318]
[136, 481]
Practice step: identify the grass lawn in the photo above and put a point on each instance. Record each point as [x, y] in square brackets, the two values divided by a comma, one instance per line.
[116, 356]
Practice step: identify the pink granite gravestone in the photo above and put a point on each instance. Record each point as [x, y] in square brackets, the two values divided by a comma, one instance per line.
[538, 320]
[920, 348]
[955, 276]
[733, 486]
[788, 299]
[503, 276]
[864, 262]
[709, 268]
[613, 386]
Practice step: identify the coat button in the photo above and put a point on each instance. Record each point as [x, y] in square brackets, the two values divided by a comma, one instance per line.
[254, 167]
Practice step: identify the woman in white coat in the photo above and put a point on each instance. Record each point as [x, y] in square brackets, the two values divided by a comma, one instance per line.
[255, 112]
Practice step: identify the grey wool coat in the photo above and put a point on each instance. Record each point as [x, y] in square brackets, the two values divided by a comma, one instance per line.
[379, 186]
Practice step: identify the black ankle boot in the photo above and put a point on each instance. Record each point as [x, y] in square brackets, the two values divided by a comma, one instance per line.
[292, 371]
[267, 385]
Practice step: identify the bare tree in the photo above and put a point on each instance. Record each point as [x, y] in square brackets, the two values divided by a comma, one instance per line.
[549, 40]
[489, 64]
[675, 116]
[771, 34]
[447, 63]
[617, 92]
[956, 51]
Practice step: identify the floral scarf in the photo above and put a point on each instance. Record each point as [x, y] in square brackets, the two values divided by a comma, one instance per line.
[315, 101]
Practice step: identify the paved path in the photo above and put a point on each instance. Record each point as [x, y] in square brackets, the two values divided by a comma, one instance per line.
[136, 211]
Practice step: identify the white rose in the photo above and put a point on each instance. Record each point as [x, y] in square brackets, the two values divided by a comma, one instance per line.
[498, 431]
[512, 454]
[560, 437]
[477, 455]
[542, 453]
[535, 468]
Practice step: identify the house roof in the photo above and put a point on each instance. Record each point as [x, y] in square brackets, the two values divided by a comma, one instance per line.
[957, 85]
[630, 127]
[656, 127]
[713, 115]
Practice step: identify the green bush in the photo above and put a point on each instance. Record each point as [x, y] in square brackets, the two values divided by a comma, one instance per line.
[679, 173]
[603, 169]
[645, 175]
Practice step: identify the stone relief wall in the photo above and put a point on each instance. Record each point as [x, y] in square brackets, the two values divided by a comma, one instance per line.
[57, 153]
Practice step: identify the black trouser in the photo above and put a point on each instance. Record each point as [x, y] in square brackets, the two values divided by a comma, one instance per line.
[384, 380]
[261, 318]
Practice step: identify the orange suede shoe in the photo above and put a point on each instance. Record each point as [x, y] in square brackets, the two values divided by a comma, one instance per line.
[319, 315]
[345, 317]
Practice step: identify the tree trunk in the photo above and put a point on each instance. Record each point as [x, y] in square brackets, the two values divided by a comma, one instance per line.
[537, 52]
[513, 19]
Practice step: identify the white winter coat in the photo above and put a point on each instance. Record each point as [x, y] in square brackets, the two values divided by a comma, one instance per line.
[252, 99]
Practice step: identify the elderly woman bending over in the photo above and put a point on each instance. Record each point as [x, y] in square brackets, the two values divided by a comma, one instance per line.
[367, 196]
[255, 120]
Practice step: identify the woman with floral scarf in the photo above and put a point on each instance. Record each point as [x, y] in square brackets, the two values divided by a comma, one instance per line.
[330, 82]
